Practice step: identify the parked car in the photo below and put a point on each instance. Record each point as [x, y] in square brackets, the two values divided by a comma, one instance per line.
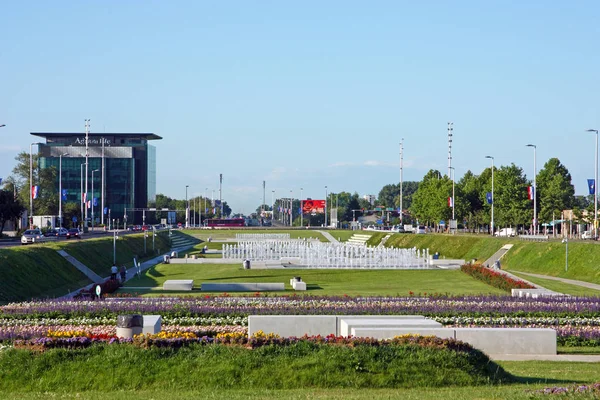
[56, 232]
[420, 229]
[587, 235]
[505, 232]
[32, 236]
[73, 233]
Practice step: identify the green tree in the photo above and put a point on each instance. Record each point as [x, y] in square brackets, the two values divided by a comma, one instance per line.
[555, 192]
[512, 206]
[472, 187]
[10, 208]
[389, 195]
[430, 201]
[46, 179]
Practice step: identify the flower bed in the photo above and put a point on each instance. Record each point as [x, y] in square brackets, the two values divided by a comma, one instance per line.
[576, 320]
[494, 278]
[233, 310]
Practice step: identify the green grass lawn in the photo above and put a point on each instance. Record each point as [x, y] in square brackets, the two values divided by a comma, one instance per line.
[549, 259]
[560, 287]
[220, 234]
[36, 271]
[321, 281]
[532, 375]
[464, 247]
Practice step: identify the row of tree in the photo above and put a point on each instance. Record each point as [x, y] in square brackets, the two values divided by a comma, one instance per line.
[425, 201]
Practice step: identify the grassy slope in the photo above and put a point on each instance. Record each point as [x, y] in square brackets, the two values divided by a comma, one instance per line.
[549, 259]
[220, 234]
[532, 375]
[464, 247]
[235, 367]
[560, 287]
[323, 282]
[36, 271]
[97, 254]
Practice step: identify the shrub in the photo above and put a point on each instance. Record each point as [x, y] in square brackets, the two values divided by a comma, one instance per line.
[494, 278]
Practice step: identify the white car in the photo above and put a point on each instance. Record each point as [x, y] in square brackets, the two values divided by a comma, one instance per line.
[32, 236]
[505, 232]
[420, 229]
[587, 235]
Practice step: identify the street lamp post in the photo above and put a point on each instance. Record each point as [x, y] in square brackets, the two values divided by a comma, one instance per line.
[566, 242]
[301, 210]
[272, 206]
[291, 208]
[60, 218]
[83, 205]
[115, 237]
[187, 208]
[452, 170]
[31, 184]
[492, 223]
[94, 170]
[325, 206]
[595, 186]
[534, 189]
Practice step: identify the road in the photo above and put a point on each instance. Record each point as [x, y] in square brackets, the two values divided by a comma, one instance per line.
[17, 241]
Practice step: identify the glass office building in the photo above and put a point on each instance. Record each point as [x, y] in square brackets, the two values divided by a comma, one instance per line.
[129, 169]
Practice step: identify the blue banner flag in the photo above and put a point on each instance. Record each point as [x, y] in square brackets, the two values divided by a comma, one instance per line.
[0, 181]
[105, 210]
[64, 194]
[95, 202]
[592, 185]
[488, 196]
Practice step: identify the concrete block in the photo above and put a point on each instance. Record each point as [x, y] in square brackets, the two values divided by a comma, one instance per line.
[270, 287]
[509, 340]
[242, 287]
[178, 284]
[299, 285]
[389, 333]
[128, 333]
[346, 324]
[152, 324]
[293, 325]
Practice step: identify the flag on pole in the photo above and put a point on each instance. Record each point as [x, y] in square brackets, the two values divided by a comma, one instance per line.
[592, 186]
[89, 204]
[0, 181]
[95, 202]
[450, 201]
[64, 194]
[489, 198]
[530, 192]
[35, 191]
[84, 196]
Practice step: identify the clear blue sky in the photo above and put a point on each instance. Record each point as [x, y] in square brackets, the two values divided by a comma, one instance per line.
[307, 94]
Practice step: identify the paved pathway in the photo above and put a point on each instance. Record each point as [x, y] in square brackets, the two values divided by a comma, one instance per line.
[328, 236]
[131, 272]
[94, 277]
[592, 358]
[564, 280]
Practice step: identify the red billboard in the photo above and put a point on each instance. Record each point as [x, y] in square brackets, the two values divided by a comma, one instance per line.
[313, 207]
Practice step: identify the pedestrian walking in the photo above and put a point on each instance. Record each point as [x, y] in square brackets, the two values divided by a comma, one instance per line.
[113, 272]
[123, 273]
